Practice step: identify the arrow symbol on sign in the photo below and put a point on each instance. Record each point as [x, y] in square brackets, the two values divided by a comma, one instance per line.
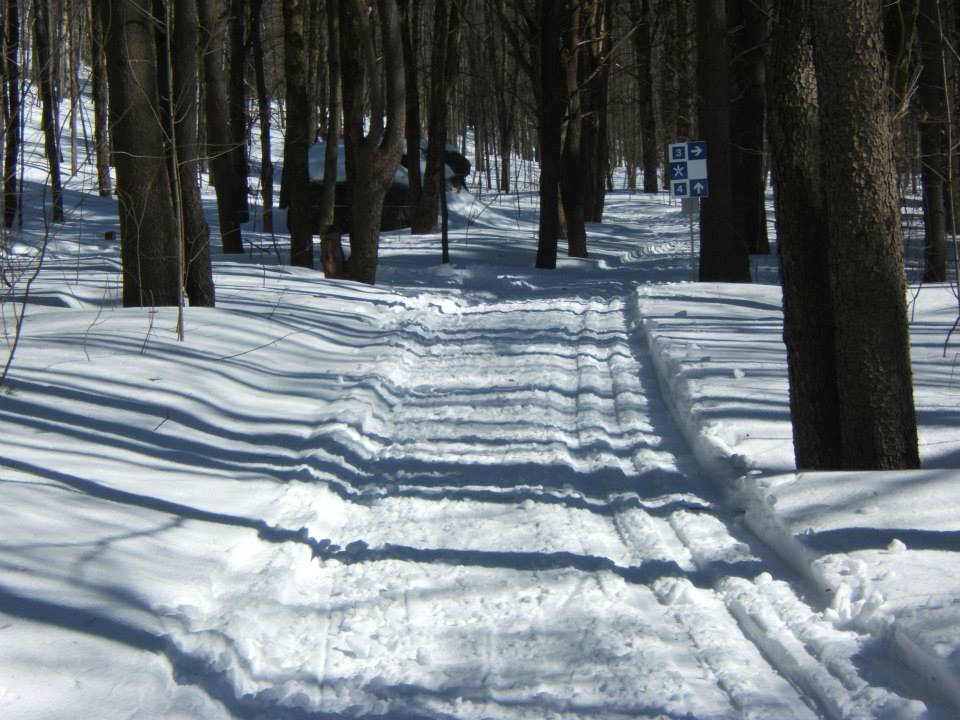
[696, 150]
[698, 188]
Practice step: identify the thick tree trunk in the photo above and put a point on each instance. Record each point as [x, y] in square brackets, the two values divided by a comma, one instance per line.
[296, 175]
[148, 239]
[723, 252]
[877, 418]
[747, 113]
[552, 102]
[643, 49]
[198, 273]
[808, 328]
[11, 113]
[372, 157]
[48, 102]
[230, 195]
[571, 158]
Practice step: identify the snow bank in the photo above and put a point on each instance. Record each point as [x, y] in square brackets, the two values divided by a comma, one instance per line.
[881, 550]
[718, 355]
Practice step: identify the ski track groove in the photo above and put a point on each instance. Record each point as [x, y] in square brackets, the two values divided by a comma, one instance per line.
[711, 655]
[603, 341]
[593, 385]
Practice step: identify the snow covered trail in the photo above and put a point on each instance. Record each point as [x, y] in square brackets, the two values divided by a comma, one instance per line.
[457, 495]
[523, 537]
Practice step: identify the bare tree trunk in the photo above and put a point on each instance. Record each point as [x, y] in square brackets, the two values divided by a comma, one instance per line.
[98, 79]
[504, 94]
[236, 102]
[296, 176]
[331, 248]
[571, 157]
[11, 113]
[951, 23]
[446, 47]
[747, 112]
[877, 417]
[230, 195]
[198, 273]
[410, 19]
[49, 124]
[595, 81]
[263, 110]
[808, 329]
[74, 30]
[483, 126]
[148, 240]
[687, 110]
[372, 157]
[3, 84]
[665, 53]
[643, 47]
[314, 31]
[723, 253]
[552, 104]
[934, 153]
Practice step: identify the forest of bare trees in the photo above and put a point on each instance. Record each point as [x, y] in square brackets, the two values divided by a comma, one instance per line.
[836, 107]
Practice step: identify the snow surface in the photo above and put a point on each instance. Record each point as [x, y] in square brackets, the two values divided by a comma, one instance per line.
[473, 491]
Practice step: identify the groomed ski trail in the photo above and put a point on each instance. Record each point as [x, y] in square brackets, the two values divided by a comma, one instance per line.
[526, 536]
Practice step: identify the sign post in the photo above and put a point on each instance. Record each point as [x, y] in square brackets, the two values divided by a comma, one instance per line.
[688, 180]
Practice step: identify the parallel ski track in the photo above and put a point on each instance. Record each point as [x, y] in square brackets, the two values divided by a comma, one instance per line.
[613, 382]
[546, 412]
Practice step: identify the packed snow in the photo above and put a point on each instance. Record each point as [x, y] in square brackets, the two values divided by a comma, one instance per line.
[475, 490]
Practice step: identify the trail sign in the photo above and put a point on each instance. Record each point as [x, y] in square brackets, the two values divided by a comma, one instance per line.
[688, 169]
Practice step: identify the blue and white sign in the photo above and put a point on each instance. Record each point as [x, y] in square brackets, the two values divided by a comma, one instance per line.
[688, 169]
